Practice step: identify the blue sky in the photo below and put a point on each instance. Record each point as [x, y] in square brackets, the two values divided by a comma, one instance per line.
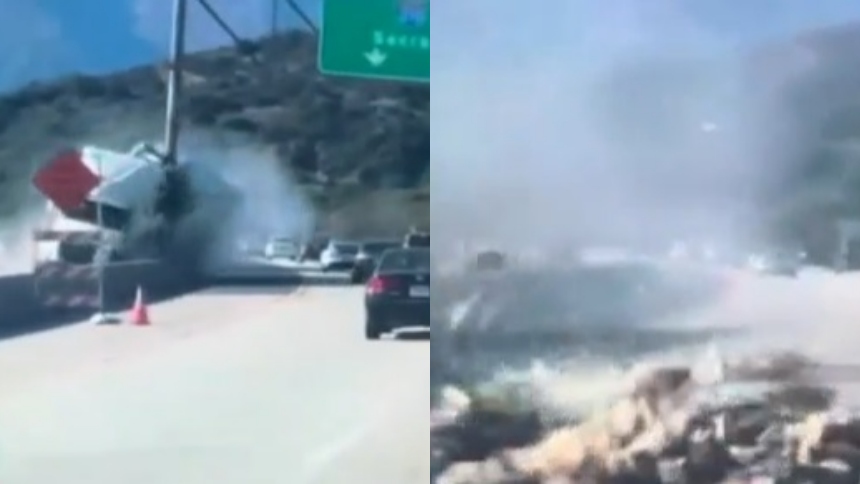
[45, 38]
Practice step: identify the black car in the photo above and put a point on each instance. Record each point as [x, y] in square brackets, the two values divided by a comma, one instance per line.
[414, 240]
[398, 294]
[313, 248]
[368, 257]
[490, 260]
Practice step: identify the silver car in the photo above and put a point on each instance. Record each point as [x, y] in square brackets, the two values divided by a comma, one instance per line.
[339, 256]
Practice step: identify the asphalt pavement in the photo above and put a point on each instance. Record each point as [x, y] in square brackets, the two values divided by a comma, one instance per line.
[230, 385]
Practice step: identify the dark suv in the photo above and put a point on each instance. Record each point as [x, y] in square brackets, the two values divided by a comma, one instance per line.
[416, 240]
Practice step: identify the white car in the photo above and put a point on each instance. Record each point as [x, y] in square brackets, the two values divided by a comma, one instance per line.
[279, 248]
[339, 256]
[778, 263]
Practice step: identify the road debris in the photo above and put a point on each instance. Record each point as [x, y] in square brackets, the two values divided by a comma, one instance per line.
[765, 421]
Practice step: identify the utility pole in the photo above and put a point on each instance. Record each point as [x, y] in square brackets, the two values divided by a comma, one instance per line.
[275, 14]
[174, 83]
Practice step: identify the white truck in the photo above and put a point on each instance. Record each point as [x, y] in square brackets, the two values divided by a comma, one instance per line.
[148, 223]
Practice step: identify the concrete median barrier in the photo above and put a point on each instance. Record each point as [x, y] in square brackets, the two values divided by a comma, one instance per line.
[61, 285]
[17, 300]
[57, 294]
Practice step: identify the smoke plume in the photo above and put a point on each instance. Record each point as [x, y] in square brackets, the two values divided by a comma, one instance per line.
[269, 203]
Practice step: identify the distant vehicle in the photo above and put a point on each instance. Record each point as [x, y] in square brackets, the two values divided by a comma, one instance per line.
[416, 240]
[282, 248]
[312, 249]
[777, 262]
[368, 257]
[339, 256]
[490, 260]
[398, 294]
[693, 252]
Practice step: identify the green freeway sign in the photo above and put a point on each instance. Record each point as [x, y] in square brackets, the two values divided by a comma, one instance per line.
[382, 39]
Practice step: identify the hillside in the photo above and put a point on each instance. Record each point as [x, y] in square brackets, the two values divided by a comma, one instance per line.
[349, 143]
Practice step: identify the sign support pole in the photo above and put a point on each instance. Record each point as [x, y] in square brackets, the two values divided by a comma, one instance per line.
[174, 83]
[101, 260]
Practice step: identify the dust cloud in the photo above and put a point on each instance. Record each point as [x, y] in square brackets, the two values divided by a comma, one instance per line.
[269, 203]
[16, 247]
[621, 121]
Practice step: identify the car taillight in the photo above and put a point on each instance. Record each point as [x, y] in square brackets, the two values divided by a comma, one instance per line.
[380, 285]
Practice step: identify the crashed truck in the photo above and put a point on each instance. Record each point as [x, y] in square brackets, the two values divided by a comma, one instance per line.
[131, 217]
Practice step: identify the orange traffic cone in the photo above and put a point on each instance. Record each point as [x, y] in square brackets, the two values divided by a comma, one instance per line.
[139, 312]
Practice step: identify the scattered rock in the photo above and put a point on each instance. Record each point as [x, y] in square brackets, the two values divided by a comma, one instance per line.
[659, 434]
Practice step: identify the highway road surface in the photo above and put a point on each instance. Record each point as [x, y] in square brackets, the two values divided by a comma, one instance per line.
[230, 385]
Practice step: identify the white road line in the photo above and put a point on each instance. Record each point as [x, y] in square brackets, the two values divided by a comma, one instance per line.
[321, 459]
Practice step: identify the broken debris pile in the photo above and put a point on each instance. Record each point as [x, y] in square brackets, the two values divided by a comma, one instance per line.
[764, 420]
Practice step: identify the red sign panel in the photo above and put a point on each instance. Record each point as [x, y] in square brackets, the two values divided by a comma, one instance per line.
[66, 181]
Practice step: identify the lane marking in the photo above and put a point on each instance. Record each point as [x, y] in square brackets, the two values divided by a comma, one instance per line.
[323, 457]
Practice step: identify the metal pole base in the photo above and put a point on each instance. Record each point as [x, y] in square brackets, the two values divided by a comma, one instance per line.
[104, 319]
